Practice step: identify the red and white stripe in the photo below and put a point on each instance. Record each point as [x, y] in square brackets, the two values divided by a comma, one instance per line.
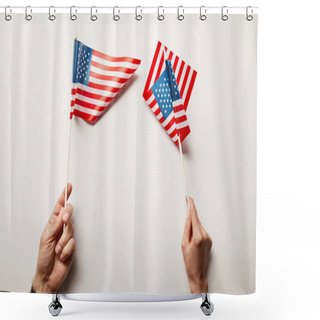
[182, 125]
[107, 76]
[185, 77]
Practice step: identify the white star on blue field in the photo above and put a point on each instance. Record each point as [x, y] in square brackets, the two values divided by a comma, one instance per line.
[162, 92]
[83, 64]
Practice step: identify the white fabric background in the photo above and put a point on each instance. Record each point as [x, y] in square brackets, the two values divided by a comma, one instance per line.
[128, 197]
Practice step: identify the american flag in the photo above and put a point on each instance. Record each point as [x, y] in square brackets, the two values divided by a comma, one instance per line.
[170, 109]
[179, 112]
[96, 79]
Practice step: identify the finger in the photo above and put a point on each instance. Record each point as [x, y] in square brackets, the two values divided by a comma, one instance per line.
[68, 213]
[186, 232]
[188, 201]
[206, 237]
[192, 206]
[196, 225]
[66, 236]
[68, 250]
[203, 230]
[210, 242]
[54, 225]
[60, 201]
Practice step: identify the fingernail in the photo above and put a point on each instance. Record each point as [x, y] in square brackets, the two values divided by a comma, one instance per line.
[58, 249]
[61, 210]
[66, 217]
[61, 257]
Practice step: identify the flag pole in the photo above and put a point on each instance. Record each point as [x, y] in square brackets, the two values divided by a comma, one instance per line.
[184, 171]
[69, 138]
[180, 149]
[68, 161]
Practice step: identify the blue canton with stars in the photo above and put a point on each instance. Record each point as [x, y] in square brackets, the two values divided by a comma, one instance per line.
[162, 92]
[81, 63]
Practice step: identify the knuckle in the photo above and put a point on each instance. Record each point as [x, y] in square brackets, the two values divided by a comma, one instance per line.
[71, 228]
[72, 244]
[70, 207]
[62, 242]
[198, 239]
[51, 221]
[70, 247]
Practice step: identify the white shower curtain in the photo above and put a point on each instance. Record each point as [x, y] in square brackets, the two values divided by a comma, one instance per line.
[128, 188]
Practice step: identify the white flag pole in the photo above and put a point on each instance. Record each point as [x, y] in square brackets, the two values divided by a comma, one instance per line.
[180, 149]
[184, 171]
[69, 143]
[68, 161]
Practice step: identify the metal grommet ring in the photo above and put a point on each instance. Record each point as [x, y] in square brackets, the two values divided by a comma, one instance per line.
[73, 16]
[180, 15]
[7, 15]
[93, 17]
[28, 16]
[160, 16]
[115, 17]
[52, 17]
[249, 17]
[138, 16]
[224, 13]
[203, 16]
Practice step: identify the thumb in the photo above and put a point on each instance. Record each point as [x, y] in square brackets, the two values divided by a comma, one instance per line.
[54, 225]
[186, 232]
[193, 215]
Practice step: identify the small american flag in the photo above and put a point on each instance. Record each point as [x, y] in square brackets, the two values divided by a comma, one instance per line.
[170, 105]
[179, 112]
[97, 78]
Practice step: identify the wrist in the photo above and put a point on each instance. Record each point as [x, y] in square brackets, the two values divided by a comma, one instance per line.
[199, 286]
[40, 286]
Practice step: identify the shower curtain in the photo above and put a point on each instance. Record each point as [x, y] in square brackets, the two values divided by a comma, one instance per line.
[128, 185]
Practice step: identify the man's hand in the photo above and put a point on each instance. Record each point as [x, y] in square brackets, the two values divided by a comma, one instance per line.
[56, 249]
[196, 245]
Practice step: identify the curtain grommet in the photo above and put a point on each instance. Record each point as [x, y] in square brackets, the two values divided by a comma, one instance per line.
[7, 15]
[52, 17]
[249, 17]
[203, 16]
[224, 13]
[138, 16]
[73, 15]
[28, 16]
[160, 16]
[116, 17]
[93, 17]
[180, 15]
